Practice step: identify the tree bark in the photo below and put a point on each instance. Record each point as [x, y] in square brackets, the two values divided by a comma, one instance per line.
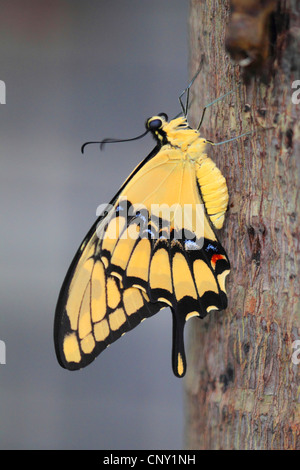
[242, 384]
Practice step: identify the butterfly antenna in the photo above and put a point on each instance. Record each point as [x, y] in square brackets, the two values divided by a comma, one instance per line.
[111, 141]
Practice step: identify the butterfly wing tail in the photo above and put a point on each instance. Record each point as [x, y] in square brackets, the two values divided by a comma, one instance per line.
[178, 351]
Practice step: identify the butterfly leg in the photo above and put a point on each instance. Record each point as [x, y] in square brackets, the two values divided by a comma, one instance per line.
[210, 104]
[187, 90]
[229, 140]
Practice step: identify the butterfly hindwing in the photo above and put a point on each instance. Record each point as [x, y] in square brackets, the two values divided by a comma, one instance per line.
[94, 309]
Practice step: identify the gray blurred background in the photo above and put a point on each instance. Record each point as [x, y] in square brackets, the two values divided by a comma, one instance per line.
[77, 71]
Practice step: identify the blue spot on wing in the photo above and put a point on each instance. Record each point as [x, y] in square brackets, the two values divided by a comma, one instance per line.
[190, 245]
[211, 247]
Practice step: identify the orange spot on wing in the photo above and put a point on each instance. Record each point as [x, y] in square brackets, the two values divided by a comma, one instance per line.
[216, 258]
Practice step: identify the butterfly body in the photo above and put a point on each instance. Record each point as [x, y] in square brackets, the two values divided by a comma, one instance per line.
[154, 247]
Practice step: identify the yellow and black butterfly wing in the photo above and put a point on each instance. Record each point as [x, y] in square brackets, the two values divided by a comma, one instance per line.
[90, 309]
[136, 261]
[94, 309]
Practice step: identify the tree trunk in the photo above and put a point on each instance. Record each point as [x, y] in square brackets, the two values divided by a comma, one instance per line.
[241, 385]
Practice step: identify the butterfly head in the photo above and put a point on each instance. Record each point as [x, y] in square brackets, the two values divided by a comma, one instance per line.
[156, 125]
[175, 132]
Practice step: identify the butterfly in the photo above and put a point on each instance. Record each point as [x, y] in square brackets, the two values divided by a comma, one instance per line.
[154, 246]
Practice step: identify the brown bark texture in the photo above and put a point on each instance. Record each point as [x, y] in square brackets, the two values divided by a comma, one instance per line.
[242, 384]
